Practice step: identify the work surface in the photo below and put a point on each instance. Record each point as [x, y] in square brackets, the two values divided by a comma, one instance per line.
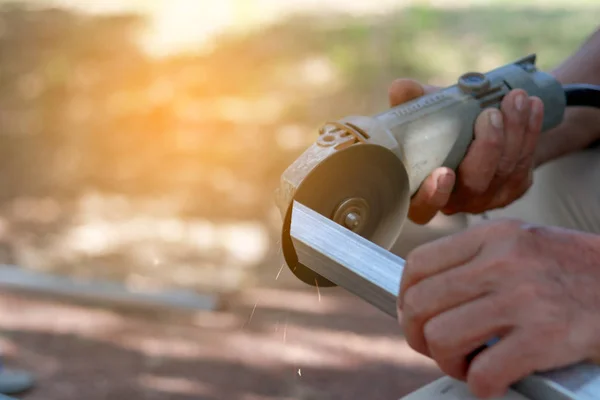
[286, 341]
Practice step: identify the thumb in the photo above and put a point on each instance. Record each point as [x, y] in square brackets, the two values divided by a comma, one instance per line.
[403, 90]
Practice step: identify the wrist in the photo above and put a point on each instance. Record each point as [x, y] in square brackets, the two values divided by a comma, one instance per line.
[580, 128]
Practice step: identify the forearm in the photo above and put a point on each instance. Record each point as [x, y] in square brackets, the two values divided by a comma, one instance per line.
[581, 126]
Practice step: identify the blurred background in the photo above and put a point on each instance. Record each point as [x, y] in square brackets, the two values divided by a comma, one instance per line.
[141, 142]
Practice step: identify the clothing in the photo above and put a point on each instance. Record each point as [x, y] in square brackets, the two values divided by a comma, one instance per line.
[565, 193]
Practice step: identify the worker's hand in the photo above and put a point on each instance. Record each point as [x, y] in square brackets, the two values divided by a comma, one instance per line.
[535, 288]
[498, 166]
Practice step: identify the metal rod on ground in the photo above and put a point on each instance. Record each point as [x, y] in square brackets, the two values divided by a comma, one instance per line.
[102, 293]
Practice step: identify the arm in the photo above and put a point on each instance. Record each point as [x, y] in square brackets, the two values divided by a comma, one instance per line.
[581, 126]
[507, 146]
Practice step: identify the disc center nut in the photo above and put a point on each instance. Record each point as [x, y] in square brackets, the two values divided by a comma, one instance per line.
[352, 213]
[352, 220]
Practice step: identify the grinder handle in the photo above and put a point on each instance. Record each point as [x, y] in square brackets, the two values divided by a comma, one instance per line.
[436, 129]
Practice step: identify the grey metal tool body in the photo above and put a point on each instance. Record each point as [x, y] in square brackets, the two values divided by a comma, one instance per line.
[362, 171]
[373, 274]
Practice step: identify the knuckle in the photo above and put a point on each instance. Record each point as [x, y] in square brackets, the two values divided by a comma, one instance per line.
[552, 323]
[452, 368]
[495, 269]
[416, 341]
[412, 258]
[436, 338]
[519, 248]
[503, 312]
[506, 166]
[491, 275]
[522, 166]
[411, 310]
[475, 188]
[482, 382]
[417, 345]
[415, 260]
[502, 228]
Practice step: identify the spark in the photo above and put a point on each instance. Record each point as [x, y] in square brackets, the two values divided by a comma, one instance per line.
[318, 291]
[252, 313]
[279, 273]
[299, 371]
[279, 247]
[285, 330]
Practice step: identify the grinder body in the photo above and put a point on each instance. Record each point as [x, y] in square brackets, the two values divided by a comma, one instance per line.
[362, 170]
[436, 130]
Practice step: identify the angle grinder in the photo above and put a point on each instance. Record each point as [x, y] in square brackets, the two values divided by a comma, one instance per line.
[362, 171]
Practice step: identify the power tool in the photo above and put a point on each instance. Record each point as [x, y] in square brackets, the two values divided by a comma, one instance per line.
[344, 201]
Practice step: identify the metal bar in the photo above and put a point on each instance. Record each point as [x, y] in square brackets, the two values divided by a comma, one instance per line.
[102, 293]
[348, 260]
[577, 382]
[374, 274]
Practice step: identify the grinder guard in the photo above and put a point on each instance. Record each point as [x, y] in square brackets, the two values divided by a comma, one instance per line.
[344, 182]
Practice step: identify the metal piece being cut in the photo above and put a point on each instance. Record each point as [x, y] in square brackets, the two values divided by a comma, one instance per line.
[346, 259]
[364, 188]
[374, 274]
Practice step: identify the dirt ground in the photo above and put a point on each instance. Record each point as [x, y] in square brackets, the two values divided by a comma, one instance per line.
[281, 341]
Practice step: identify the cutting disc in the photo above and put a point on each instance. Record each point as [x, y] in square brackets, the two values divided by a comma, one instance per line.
[364, 188]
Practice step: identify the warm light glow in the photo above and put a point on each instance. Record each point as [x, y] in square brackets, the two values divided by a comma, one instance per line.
[186, 24]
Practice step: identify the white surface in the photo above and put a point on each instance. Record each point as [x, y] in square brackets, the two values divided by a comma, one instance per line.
[449, 389]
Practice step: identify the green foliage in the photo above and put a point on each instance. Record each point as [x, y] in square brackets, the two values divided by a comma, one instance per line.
[95, 111]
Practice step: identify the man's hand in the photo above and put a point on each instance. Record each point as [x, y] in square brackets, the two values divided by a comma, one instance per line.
[535, 288]
[498, 166]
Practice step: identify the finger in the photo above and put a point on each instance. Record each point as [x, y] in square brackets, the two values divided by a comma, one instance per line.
[532, 134]
[433, 194]
[456, 368]
[480, 164]
[438, 295]
[456, 333]
[403, 90]
[494, 369]
[522, 176]
[516, 108]
[440, 255]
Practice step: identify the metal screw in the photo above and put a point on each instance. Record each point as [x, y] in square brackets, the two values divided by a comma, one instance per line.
[352, 220]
